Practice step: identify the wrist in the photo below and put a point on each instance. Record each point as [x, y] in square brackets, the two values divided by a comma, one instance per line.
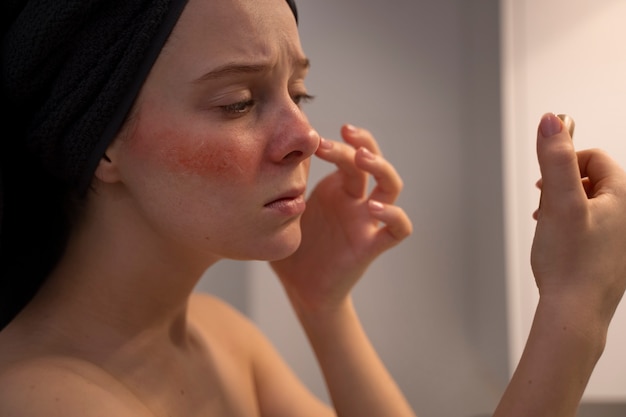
[565, 342]
[323, 311]
[575, 321]
[313, 301]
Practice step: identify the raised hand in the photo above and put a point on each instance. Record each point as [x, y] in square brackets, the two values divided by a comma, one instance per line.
[580, 240]
[580, 268]
[344, 228]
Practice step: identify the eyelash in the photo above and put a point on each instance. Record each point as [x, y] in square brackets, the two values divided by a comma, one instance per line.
[303, 98]
[239, 107]
[243, 106]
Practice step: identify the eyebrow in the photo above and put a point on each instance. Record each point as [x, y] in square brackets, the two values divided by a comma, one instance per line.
[237, 69]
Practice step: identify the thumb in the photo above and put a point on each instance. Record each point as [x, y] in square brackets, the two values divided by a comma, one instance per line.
[560, 172]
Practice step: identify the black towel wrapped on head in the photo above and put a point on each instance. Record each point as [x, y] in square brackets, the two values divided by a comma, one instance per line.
[70, 71]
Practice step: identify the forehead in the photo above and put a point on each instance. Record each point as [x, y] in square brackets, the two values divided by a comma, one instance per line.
[213, 31]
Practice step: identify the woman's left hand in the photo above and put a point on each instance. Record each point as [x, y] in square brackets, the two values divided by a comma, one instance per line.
[343, 228]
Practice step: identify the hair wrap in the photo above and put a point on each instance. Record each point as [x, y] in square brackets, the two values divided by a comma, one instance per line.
[70, 72]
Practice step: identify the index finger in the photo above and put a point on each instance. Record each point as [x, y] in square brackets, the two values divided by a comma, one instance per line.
[358, 137]
[603, 172]
[343, 156]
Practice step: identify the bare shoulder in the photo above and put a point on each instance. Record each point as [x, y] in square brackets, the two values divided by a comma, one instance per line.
[278, 391]
[226, 328]
[211, 312]
[62, 387]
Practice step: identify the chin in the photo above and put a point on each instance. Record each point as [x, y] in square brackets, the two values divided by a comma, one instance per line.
[282, 245]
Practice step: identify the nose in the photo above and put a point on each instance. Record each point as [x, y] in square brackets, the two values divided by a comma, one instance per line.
[294, 139]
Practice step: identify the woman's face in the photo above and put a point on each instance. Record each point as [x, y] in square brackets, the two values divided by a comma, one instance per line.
[217, 154]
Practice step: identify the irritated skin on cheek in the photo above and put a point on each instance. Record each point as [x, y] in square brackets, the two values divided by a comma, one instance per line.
[203, 160]
[199, 156]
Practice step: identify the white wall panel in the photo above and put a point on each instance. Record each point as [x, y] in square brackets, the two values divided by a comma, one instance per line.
[563, 56]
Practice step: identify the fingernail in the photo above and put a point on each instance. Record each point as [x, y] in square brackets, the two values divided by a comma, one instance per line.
[351, 128]
[325, 144]
[550, 125]
[376, 205]
[367, 154]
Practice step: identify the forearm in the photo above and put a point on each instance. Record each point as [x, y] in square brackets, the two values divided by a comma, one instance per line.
[358, 382]
[563, 346]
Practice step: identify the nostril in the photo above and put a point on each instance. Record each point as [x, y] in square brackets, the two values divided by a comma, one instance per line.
[293, 155]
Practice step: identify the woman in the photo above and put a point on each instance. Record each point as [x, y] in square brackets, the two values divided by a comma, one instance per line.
[211, 162]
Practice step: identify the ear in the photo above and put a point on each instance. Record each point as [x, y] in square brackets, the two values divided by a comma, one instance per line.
[107, 170]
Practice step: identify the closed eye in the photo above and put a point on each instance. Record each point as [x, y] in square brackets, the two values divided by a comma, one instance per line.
[243, 107]
[300, 99]
[238, 108]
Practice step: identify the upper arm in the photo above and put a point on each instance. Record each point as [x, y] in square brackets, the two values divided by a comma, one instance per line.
[47, 388]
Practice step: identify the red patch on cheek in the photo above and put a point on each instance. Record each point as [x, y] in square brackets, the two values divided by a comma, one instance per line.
[205, 160]
[185, 154]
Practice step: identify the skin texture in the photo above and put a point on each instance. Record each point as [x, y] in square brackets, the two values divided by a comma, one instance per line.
[186, 149]
[213, 164]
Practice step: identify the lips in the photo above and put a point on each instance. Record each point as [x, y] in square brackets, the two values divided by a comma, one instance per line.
[289, 203]
[286, 196]
[284, 201]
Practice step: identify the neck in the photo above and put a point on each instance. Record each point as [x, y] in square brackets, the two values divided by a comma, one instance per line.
[117, 282]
